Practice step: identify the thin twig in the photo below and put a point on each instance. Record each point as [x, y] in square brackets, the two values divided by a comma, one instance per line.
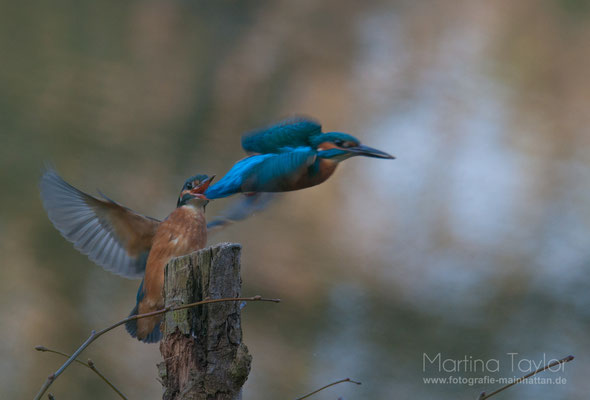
[484, 396]
[95, 335]
[327, 386]
[90, 365]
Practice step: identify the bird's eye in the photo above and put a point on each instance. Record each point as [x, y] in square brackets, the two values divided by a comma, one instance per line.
[338, 142]
[189, 185]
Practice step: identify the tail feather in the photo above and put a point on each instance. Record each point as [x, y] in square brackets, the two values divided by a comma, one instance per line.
[155, 335]
[131, 326]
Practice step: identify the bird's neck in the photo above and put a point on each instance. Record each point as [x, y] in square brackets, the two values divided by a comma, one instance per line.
[194, 207]
[196, 203]
[188, 215]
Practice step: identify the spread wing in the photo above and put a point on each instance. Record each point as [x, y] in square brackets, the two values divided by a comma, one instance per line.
[246, 206]
[264, 173]
[114, 237]
[292, 132]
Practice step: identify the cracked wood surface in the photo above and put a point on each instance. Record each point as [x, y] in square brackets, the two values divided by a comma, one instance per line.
[204, 357]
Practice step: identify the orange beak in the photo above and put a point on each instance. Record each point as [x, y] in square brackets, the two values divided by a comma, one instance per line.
[199, 191]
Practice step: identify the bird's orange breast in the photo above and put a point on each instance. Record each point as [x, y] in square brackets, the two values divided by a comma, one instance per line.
[306, 178]
[183, 232]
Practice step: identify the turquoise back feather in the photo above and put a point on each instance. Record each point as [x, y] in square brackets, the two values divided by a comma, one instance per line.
[292, 132]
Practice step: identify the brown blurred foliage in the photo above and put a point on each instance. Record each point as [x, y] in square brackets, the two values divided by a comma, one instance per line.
[475, 241]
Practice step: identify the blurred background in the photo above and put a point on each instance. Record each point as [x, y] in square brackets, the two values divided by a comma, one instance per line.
[474, 242]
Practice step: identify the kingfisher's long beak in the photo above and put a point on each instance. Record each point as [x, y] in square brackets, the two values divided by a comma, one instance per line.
[199, 191]
[362, 150]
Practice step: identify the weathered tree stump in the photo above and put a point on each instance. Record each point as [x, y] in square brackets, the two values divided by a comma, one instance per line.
[204, 357]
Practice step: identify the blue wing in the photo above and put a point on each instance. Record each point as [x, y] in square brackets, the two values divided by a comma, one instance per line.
[264, 173]
[292, 132]
[114, 237]
[279, 172]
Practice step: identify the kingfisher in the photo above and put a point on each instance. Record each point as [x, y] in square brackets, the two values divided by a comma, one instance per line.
[291, 155]
[127, 243]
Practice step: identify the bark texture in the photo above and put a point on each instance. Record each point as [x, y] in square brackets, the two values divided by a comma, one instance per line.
[204, 357]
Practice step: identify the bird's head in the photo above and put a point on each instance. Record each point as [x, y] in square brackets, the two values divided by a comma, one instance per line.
[340, 146]
[193, 191]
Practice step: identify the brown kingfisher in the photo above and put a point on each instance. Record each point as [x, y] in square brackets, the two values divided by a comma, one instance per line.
[291, 155]
[127, 243]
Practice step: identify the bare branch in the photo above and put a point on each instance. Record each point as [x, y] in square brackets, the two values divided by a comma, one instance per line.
[95, 335]
[484, 396]
[327, 386]
[90, 365]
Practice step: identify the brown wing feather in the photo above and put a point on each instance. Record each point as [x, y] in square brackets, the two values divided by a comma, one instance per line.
[135, 230]
[114, 237]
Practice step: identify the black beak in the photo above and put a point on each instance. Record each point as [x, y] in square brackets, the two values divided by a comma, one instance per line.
[362, 150]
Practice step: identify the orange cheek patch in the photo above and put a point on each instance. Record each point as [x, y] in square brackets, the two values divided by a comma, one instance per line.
[327, 146]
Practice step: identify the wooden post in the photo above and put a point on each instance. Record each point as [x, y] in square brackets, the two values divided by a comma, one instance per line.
[204, 357]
